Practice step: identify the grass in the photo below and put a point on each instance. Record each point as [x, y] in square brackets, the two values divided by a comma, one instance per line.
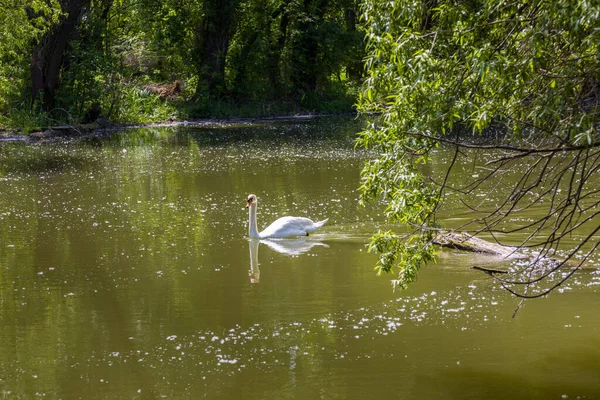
[23, 121]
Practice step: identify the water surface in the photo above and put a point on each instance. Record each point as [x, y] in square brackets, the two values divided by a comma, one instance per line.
[125, 272]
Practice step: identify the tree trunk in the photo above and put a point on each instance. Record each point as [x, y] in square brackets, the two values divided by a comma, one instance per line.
[276, 76]
[354, 69]
[212, 43]
[306, 49]
[48, 55]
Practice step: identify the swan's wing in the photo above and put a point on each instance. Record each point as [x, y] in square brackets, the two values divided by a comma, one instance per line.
[286, 227]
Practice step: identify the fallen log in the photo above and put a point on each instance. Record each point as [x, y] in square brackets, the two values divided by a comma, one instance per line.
[466, 242]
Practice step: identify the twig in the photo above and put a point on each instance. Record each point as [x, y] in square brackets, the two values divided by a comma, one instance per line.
[489, 271]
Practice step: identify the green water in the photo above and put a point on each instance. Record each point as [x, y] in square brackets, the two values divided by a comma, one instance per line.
[125, 272]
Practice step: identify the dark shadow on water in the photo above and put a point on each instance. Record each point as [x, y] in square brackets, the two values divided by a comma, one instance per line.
[558, 376]
[36, 159]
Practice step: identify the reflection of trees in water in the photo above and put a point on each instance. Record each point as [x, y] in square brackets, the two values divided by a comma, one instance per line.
[24, 158]
[80, 234]
[267, 133]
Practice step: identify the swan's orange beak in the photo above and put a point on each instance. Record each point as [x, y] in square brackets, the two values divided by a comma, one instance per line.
[248, 203]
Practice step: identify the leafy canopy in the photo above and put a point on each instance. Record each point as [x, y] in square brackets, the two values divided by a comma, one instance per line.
[529, 68]
[21, 23]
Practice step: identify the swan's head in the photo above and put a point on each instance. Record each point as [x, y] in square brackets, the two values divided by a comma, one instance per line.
[251, 200]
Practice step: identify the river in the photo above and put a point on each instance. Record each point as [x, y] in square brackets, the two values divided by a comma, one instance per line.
[126, 272]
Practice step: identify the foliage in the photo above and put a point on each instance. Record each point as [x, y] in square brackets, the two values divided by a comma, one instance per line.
[438, 70]
[24, 119]
[21, 23]
[120, 48]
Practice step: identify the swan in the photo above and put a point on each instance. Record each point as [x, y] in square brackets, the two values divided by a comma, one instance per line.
[284, 227]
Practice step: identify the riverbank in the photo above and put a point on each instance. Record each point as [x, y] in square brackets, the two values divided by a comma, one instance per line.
[103, 126]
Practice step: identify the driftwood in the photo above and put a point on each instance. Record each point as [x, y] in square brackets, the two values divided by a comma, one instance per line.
[466, 242]
[463, 241]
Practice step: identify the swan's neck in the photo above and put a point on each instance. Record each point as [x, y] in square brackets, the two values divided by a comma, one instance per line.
[254, 270]
[252, 231]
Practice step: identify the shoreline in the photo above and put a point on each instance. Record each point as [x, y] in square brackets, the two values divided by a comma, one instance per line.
[103, 127]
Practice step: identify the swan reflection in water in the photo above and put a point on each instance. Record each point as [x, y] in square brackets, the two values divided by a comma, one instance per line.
[291, 247]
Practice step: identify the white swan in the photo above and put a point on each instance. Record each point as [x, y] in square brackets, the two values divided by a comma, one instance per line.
[284, 227]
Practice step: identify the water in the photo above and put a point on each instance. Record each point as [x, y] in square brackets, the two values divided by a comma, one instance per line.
[125, 272]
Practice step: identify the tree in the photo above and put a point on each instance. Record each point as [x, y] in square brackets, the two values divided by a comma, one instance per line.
[323, 40]
[444, 73]
[293, 48]
[21, 23]
[48, 55]
[213, 37]
[75, 60]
